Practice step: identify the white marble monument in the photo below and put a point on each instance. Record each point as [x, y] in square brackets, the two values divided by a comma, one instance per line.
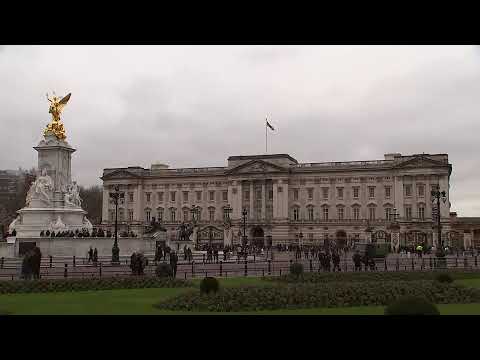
[53, 201]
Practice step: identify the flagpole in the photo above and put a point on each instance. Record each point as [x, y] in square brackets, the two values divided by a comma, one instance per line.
[266, 151]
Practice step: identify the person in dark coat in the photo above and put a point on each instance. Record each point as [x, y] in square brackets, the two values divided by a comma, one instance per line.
[327, 258]
[357, 260]
[95, 256]
[133, 261]
[336, 261]
[90, 254]
[173, 263]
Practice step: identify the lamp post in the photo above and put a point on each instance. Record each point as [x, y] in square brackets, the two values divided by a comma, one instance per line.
[244, 239]
[116, 197]
[437, 195]
[226, 211]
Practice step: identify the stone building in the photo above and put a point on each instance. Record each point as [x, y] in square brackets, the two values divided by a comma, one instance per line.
[288, 201]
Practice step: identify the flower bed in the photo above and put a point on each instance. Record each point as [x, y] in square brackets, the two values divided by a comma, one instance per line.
[331, 294]
[370, 276]
[58, 285]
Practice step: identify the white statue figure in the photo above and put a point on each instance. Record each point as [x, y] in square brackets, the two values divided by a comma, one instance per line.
[76, 194]
[67, 197]
[395, 242]
[40, 188]
[193, 235]
[227, 235]
[57, 225]
[13, 224]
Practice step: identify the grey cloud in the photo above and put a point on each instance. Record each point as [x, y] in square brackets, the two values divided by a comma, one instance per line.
[195, 106]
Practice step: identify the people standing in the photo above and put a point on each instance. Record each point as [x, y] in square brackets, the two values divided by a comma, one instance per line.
[173, 263]
[95, 256]
[357, 260]
[90, 255]
[336, 261]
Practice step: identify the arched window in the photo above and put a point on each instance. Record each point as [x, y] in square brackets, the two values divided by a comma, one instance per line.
[372, 210]
[340, 212]
[148, 213]
[160, 214]
[325, 212]
[121, 214]
[310, 213]
[173, 214]
[356, 212]
[211, 214]
[296, 213]
[421, 211]
[185, 211]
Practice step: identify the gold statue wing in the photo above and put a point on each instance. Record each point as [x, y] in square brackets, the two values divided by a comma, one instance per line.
[63, 102]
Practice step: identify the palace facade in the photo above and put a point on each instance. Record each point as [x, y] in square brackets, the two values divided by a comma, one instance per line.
[287, 201]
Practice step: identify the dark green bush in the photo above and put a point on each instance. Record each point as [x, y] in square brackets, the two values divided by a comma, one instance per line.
[209, 285]
[164, 270]
[444, 278]
[296, 269]
[62, 285]
[410, 305]
[328, 294]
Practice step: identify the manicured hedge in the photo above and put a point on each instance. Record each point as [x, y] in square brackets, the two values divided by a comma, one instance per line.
[411, 306]
[58, 285]
[370, 276]
[329, 294]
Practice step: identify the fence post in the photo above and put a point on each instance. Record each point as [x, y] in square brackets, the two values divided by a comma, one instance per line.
[253, 257]
[50, 261]
[74, 261]
[246, 269]
[456, 261]
[193, 273]
[1, 264]
[65, 271]
[385, 264]
[476, 264]
[270, 268]
[346, 266]
[413, 263]
[203, 256]
[221, 268]
[100, 270]
[185, 273]
[397, 265]
[311, 265]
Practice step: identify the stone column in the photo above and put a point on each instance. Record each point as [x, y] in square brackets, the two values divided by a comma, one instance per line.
[275, 200]
[264, 198]
[251, 201]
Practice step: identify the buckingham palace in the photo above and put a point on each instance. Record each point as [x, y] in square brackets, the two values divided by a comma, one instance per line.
[280, 200]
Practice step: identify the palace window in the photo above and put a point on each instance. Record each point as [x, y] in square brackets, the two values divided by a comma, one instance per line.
[225, 195]
[310, 194]
[371, 212]
[340, 192]
[121, 214]
[147, 215]
[172, 196]
[185, 196]
[199, 196]
[408, 190]
[421, 212]
[356, 213]
[325, 213]
[325, 193]
[211, 214]
[295, 194]
[340, 213]
[270, 194]
[130, 197]
[421, 190]
[173, 215]
[185, 215]
[296, 214]
[160, 214]
[388, 213]
[246, 195]
[259, 194]
[371, 192]
[408, 212]
[148, 197]
[310, 213]
[130, 215]
[387, 192]
[111, 215]
[211, 195]
[160, 196]
[355, 192]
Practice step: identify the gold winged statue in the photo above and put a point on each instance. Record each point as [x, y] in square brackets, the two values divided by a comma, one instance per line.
[56, 107]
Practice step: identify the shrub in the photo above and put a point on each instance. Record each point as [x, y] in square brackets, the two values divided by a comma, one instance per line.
[410, 305]
[296, 269]
[329, 294]
[444, 278]
[209, 285]
[164, 270]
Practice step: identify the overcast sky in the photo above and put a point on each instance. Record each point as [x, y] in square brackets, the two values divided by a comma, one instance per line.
[193, 106]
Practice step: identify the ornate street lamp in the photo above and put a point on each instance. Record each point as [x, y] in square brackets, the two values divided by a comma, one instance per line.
[116, 197]
[437, 195]
[244, 239]
[226, 211]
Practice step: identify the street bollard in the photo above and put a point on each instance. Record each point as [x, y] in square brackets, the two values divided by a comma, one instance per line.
[311, 265]
[246, 269]
[269, 267]
[100, 270]
[73, 260]
[65, 272]
[50, 261]
[221, 268]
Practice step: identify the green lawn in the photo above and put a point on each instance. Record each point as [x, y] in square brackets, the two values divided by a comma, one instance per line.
[140, 301]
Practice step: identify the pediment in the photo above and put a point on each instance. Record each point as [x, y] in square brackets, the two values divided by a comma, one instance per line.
[420, 161]
[257, 166]
[119, 174]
